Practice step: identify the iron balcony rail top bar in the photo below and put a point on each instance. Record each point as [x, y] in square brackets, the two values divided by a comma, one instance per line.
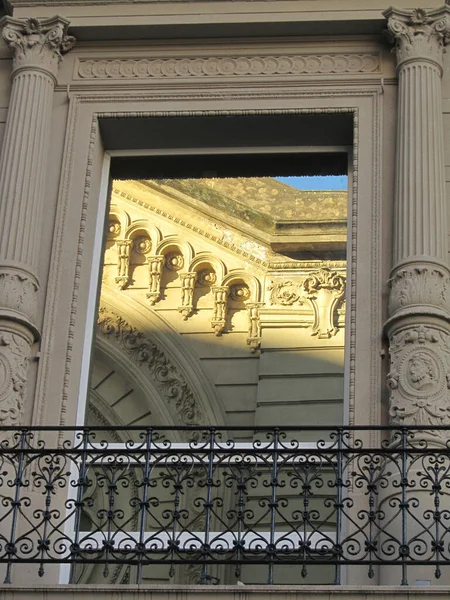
[192, 504]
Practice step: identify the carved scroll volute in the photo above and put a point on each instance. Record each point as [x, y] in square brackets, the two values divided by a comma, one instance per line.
[123, 263]
[254, 325]
[218, 320]
[187, 294]
[324, 289]
[155, 267]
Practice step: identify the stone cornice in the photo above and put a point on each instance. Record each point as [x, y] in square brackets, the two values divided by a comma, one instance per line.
[419, 34]
[228, 66]
[37, 43]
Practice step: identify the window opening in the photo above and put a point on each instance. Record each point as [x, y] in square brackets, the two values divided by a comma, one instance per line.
[222, 303]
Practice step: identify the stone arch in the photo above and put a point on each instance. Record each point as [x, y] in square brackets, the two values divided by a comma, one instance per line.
[149, 349]
[238, 276]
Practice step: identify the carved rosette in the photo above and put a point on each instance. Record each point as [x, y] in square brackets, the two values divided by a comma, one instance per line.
[419, 34]
[425, 286]
[155, 266]
[419, 379]
[219, 317]
[142, 244]
[37, 43]
[174, 261]
[15, 348]
[123, 263]
[148, 356]
[187, 294]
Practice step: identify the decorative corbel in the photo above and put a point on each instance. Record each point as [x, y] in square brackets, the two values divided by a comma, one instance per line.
[218, 320]
[254, 325]
[187, 294]
[324, 290]
[155, 267]
[123, 263]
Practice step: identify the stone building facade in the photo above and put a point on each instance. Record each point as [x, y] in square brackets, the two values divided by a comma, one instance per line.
[102, 99]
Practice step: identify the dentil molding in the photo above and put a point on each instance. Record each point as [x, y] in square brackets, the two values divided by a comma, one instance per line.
[37, 43]
[217, 66]
[419, 34]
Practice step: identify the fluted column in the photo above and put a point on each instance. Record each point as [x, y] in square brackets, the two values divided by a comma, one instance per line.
[37, 48]
[419, 306]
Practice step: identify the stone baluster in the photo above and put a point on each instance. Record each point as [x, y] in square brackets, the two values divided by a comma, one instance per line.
[37, 47]
[219, 318]
[419, 315]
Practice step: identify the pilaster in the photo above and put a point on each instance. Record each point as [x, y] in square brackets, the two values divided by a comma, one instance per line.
[37, 48]
[419, 304]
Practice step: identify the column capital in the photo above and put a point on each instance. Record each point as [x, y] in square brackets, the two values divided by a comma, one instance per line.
[419, 34]
[37, 43]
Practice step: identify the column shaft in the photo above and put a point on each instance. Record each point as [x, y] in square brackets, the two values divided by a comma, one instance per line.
[36, 47]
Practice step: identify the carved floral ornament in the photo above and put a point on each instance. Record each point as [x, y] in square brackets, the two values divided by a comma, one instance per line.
[36, 42]
[419, 34]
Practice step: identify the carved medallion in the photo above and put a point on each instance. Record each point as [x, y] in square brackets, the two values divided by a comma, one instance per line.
[142, 244]
[174, 261]
[239, 292]
[207, 277]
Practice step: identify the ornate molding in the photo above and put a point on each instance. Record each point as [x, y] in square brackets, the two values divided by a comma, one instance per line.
[254, 325]
[323, 290]
[219, 317]
[147, 355]
[123, 263]
[155, 267]
[221, 66]
[15, 348]
[419, 34]
[416, 287]
[187, 294]
[38, 43]
[419, 379]
[18, 293]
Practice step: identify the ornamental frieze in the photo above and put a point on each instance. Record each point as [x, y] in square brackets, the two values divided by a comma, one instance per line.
[241, 66]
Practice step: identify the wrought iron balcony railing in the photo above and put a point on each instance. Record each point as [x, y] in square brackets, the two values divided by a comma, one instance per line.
[195, 505]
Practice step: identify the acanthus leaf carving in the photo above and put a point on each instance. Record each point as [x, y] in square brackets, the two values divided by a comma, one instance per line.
[18, 292]
[419, 286]
[419, 34]
[146, 354]
[35, 42]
